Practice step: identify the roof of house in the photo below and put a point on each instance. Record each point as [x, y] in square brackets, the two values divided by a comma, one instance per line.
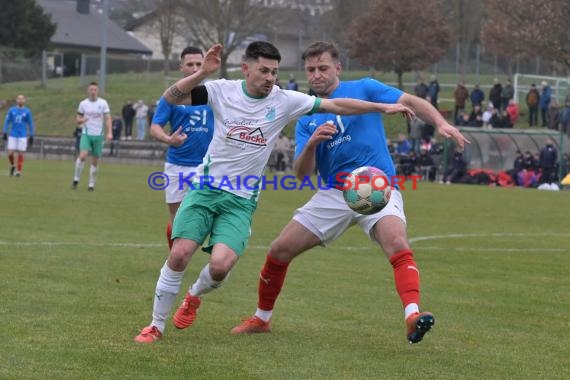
[84, 30]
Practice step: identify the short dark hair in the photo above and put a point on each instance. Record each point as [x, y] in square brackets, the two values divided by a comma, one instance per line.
[318, 48]
[261, 49]
[191, 50]
[93, 84]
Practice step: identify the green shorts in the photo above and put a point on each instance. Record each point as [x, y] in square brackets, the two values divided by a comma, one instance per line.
[218, 213]
[93, 144]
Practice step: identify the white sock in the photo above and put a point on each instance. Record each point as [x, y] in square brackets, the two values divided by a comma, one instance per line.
[92, 175]
[264, 315]
[205, 283]
[411, 309]
[167, 287]
[78, 169]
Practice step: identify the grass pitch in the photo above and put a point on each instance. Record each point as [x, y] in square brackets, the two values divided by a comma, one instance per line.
[79, 271]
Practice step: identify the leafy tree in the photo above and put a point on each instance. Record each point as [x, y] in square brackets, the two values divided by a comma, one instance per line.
[399, 35]
[25, 26]
[528, 27]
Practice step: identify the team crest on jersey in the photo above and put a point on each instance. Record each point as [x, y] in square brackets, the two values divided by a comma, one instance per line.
[270, 113]
[246, 135]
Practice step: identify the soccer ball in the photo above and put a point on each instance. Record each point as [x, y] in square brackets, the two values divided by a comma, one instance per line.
[366, 190]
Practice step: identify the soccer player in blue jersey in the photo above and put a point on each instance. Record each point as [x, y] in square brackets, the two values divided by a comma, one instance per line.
[345, 144]
[191, 127]
[21, 125]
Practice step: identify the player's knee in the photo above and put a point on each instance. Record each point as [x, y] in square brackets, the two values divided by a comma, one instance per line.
[395, 244]
[281, 251]
[220, 270]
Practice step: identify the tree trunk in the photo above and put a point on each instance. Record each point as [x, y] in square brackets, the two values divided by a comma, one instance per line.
[400, 84]
[224, 67]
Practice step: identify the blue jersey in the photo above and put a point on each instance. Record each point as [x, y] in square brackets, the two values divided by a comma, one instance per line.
[197, 123]
[360, 141]
[21, 119]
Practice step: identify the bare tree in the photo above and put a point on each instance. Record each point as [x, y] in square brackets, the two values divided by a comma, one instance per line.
[466, 16]
[512, 29]
[229, 22]
[163, 17]
[399, 35]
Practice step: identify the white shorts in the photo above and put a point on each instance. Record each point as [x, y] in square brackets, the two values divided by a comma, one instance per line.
[327, 215]
[19, 144]
[175, 193]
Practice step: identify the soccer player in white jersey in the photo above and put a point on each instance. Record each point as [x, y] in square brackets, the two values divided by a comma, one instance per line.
[248, 118]
[191, 127]
[358, 141]
[20, 124]
[93, 114]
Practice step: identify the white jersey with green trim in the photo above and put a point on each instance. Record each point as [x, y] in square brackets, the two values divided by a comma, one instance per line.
[245, 131]
[94, 112]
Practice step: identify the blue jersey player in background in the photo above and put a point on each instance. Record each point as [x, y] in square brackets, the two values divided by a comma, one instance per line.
[337, 144]
[18, 132]
[192, 128]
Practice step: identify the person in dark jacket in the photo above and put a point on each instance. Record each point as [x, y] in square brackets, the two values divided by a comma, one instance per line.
[495, 94]
[457, 169]
[477, 97]
[547, 162]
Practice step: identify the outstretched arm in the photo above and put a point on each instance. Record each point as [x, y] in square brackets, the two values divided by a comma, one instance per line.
[179, 92]
[426, 112]
[345, 106]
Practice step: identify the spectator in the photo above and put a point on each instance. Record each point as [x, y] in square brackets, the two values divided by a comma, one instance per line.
[476, 117]
[518, 166]
[117, 128]
[547, 162]
[457, 169]
[408, 164]
[292, 84]
[544, 102]
[460, 95]
[421, 89]
[282, 149]
[404, 147]
[553, 114]
[416, 127]
[513, 111]
[141, 111]
[507, 93]
[532, 100]
[462, 119]
[565, 119]
[426, 166]
[477, 96]
[433, 91]
[487, 115]
[151, 111]
[128, 113]
[495, 94]
[502, 120]
[529, 162]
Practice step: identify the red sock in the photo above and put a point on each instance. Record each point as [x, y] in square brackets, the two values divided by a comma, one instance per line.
[11, 158]
[406, 276]
[20, 162]
[169, 235]
[271, 281]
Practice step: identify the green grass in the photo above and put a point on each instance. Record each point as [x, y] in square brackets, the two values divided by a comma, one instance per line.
[79, 271]
[54, 108]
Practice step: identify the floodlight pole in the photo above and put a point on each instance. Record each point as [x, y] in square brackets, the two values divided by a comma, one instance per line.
[103, 64]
